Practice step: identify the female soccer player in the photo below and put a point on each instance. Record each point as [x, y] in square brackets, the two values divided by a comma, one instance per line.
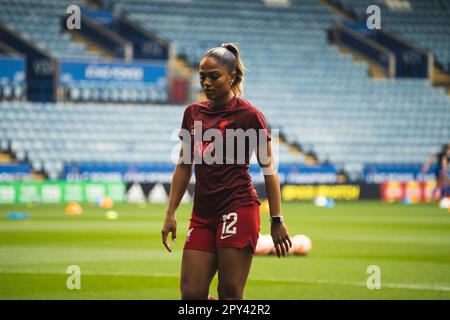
[442, 160]
[225, 219]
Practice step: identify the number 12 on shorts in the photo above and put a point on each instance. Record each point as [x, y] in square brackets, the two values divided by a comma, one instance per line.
[228, 229]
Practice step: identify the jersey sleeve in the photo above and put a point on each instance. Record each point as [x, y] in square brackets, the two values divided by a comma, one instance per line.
[259, 123]
[186, 123]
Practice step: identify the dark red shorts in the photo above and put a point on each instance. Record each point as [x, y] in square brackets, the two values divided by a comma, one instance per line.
[238, 228]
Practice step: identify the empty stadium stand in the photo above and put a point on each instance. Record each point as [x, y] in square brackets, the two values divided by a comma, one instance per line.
[51, 135]
[319, 99]
[424, 22]
[39, 21]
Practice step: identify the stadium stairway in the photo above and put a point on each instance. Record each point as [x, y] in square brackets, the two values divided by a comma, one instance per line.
[324, 102]
[439, 77]
[375, 72]
[89, 45]
[39, 22]
[6, 157]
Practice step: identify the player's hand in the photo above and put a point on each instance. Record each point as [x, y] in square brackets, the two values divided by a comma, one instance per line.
[281, 239]
[170, 226]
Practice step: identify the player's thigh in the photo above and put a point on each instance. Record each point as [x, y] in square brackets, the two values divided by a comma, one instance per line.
[239, 228]
[233, 269]
[197, 271]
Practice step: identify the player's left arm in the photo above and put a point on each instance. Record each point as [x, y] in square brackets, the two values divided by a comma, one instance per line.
[279, 232]
[427, 165]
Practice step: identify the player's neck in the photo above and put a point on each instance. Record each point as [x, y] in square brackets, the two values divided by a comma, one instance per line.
[223, 101]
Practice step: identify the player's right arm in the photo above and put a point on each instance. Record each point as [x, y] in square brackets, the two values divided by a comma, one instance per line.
[180, 181]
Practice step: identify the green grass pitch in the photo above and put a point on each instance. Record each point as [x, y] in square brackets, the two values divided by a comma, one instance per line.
[124, 258]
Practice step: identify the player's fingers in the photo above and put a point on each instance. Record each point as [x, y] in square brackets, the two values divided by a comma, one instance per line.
[280, 243]
[286, 246]
[289, 240]
[164, 234]
[174, 235]
[167, 245]
[277, 249]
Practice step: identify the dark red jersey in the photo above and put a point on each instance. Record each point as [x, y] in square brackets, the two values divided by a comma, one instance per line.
[221, 187]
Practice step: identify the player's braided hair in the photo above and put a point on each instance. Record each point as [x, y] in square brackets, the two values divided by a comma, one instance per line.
[228, 55]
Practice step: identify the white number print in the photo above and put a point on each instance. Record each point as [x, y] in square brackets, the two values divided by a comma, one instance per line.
[227, 230]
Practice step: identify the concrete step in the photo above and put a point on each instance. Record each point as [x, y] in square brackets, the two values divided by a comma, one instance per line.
[6, 158]
[375, 71]
[441, 78]
[181, 67]
[336, 10]
[91, 46]
[37, 176]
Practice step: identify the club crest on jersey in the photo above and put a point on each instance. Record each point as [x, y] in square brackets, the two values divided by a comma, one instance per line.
[222, 125]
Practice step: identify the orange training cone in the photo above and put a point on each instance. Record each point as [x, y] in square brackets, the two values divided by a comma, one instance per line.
[265, 206]
[106, 203]
[73, 208]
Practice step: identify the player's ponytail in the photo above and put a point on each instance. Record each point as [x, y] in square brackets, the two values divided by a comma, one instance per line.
[238, 84]
[445, 148]
[228, 54]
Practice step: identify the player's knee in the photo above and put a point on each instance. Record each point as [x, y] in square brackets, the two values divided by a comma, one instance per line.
[192, 293]
[230, 292]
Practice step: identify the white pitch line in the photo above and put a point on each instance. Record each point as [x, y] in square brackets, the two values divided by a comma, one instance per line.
[363, 284]
[407, 286]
